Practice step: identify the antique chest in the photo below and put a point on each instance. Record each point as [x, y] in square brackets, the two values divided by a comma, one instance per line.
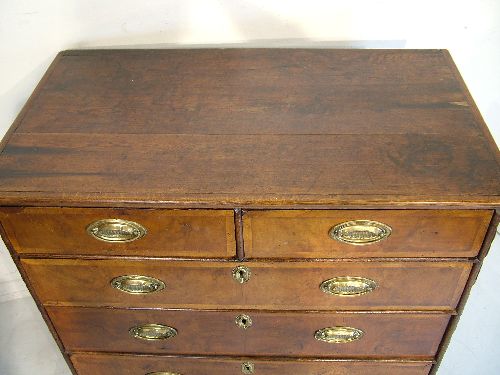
[250, 211]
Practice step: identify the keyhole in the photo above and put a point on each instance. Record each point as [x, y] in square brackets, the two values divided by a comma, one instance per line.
[241, 274]
[243, 321]
[247, 368]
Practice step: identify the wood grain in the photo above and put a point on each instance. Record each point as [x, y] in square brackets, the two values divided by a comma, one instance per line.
[38, 304]
[454, 321]
[415, 233]
[240, 91]
[251, 128]
[92, 364]
[199, 146]
[403, 335]
[182, 233]
[275, 286]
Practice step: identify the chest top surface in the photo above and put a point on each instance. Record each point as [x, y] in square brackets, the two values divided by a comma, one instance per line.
[250, 127]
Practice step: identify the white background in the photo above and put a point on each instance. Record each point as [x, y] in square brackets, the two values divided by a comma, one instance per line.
[32, 32]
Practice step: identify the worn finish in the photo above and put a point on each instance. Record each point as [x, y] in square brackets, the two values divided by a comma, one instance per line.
[415, 233]
[225, 177]
[405, 335]
[316, 127]
[39, 306]
[188, 233]
[91, 364]
[490, 236]
[275, 286]
[238, 229]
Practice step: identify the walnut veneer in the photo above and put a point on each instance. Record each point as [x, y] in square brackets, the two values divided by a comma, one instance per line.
[250, 211]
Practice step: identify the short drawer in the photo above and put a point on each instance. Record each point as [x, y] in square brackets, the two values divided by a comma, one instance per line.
[102, 231]
[109, 364]
[357, 335]
[261, 285]
[364, 233]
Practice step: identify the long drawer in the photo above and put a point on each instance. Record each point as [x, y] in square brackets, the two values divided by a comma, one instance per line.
[107, 231]
[259, 285]
[249, 333]
[364, 233]
[92, 364]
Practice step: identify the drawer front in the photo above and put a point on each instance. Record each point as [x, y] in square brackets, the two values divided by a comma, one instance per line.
[91, 364]
[375, 335]
[274, 285]
[364, 233]
[176, 233]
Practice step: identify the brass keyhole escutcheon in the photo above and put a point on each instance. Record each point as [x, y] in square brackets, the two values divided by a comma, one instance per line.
[241, 274]
[243, 321]
[247, 368]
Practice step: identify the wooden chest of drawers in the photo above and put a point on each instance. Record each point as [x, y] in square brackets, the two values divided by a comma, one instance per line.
[250, 211]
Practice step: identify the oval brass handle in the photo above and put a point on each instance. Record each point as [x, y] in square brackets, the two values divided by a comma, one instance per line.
[348, 286]
[116, 230]
[163, 373]
[241, 274]
[360, 232]
[137, 284]
[152, 332]
[338, 335]
[247, 368]
[243, 321]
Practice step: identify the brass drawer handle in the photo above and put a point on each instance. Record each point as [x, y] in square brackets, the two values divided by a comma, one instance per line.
[360, 232]
[247, 368]
[338, 335]
[163, 373]
[243, 321]
[152, 332]
[241, 274]
[116, 230]
[348, 286]
[137, 284]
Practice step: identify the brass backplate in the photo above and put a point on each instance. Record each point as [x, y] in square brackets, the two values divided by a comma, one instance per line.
[360, 232]
[348, 286]
[152, 332]
[338, 335]
[116, 230]
[137, 284]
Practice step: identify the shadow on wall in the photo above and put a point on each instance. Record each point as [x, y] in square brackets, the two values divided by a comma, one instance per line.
[256, 43]
[253, 27]
[13, 98]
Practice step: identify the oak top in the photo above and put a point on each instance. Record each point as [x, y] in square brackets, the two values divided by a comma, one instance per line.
[251, 128]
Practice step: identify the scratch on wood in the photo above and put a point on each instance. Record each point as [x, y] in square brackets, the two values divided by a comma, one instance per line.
[461, 104]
